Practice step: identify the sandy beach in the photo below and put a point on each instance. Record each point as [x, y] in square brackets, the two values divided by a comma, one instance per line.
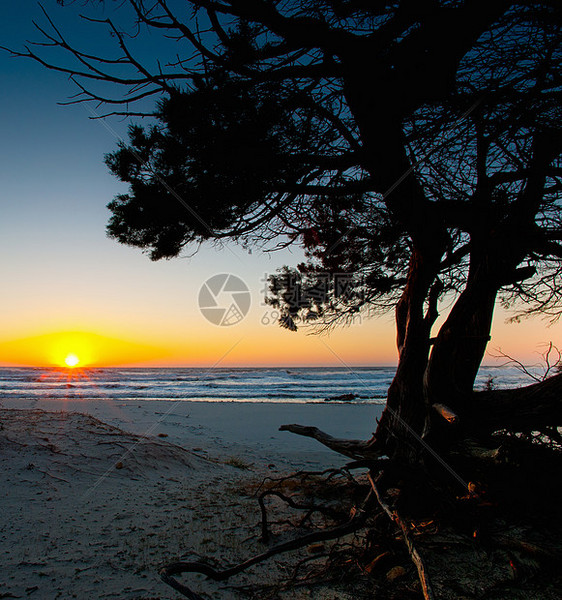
[97, 495]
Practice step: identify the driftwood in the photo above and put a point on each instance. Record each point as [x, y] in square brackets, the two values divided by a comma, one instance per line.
[414, 554]
[356, 449]
[169, 572]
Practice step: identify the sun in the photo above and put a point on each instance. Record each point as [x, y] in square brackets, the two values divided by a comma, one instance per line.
[71, 361]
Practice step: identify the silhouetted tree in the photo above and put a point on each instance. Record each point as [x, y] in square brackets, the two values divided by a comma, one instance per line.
[412, 146]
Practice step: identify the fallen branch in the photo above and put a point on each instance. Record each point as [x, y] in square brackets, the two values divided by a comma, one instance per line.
[412, 550]
[168, 572]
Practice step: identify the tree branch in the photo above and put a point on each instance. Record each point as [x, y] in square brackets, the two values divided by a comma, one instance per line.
[356, 449]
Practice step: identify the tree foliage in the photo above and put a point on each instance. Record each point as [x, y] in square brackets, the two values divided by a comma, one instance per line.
[344, 126]
[413, 146]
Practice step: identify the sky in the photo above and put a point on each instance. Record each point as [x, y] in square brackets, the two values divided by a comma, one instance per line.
[67, 288]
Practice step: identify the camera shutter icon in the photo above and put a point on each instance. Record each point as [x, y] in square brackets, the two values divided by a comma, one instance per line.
[224, 300]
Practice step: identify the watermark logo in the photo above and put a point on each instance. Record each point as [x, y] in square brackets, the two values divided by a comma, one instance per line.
[224, 300]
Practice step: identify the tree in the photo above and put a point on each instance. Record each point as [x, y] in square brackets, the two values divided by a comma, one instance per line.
[413, 146]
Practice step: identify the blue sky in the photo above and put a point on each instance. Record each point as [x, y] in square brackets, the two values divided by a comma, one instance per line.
[60, 272]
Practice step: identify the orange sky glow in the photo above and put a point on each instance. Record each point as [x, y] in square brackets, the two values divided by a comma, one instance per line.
[199, 344]
[217, 348]
[58, 349]
[69, 290]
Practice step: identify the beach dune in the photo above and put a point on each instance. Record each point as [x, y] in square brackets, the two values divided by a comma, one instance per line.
[97, 495]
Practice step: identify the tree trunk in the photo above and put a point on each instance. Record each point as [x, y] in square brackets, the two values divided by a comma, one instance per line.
[461, 343]
[405, 417]
[460, 347]
[531, 408]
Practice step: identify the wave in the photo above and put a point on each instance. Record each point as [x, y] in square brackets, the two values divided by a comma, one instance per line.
[298, 385]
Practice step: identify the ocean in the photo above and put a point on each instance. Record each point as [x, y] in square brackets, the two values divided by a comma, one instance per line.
[293, 385]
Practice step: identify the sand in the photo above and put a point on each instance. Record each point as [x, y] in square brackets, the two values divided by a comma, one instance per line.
[96, 495]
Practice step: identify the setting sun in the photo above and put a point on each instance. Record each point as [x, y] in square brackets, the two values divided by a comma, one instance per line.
[78, 349]
[71, 360]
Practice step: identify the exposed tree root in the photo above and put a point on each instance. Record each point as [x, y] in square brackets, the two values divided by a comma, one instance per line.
[169, 572]
[309, 508]
[328, 473]
[412, 550]
[447, 528]
[471, 518]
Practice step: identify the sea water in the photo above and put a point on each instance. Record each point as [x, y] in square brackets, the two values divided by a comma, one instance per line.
[292, 384]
